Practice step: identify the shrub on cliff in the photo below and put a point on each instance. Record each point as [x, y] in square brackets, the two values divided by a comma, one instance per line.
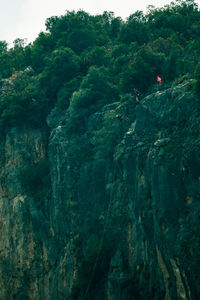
[21, 102]
[105, 139]
[96, 90]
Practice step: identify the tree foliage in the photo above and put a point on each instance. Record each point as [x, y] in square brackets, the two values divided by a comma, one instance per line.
[83, 62]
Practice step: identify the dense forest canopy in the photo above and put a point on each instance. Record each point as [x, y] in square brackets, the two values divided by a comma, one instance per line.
[84, 61]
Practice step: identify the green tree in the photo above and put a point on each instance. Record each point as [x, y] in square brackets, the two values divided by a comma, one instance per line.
[77, 31]
[3, 47]
[142, 70]
[62, 66]
[95, 56]
[67, 90]
[135, 29]
[42, 47]
[96, 90]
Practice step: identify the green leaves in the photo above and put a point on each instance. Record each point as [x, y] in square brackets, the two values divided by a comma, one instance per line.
[62, 66]
[3, 46]
[135, 30]
[84, 62]
[142, 69]
[21, 102]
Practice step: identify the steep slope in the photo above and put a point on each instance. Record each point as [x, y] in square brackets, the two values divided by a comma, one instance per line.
[120, 219]
[23, 249]
[160, 176]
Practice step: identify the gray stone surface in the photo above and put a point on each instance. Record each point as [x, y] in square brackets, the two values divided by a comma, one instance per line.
[124, 226]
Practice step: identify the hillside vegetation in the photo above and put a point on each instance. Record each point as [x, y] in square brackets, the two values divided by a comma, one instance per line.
[100, 187]
[84, 62]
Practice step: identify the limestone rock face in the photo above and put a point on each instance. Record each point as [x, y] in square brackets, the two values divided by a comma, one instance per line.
[120, 217]
[160, 177]
[24, 263]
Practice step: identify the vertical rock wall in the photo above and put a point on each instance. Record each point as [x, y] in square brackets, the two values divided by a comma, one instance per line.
[24, 264]
[120, 225]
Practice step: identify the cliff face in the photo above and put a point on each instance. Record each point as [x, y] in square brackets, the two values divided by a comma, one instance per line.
[160, 179]
[120, 218]
[23, 263]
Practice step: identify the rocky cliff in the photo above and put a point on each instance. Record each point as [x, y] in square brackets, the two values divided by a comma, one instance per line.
[109, 213]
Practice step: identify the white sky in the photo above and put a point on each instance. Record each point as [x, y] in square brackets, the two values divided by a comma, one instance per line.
[26, 18]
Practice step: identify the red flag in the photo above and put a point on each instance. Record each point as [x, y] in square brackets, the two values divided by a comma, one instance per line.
[159, 79]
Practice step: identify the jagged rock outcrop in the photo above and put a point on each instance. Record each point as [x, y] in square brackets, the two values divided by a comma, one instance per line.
[120, 219]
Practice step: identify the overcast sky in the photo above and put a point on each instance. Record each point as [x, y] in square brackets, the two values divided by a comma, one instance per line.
[26, 18]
